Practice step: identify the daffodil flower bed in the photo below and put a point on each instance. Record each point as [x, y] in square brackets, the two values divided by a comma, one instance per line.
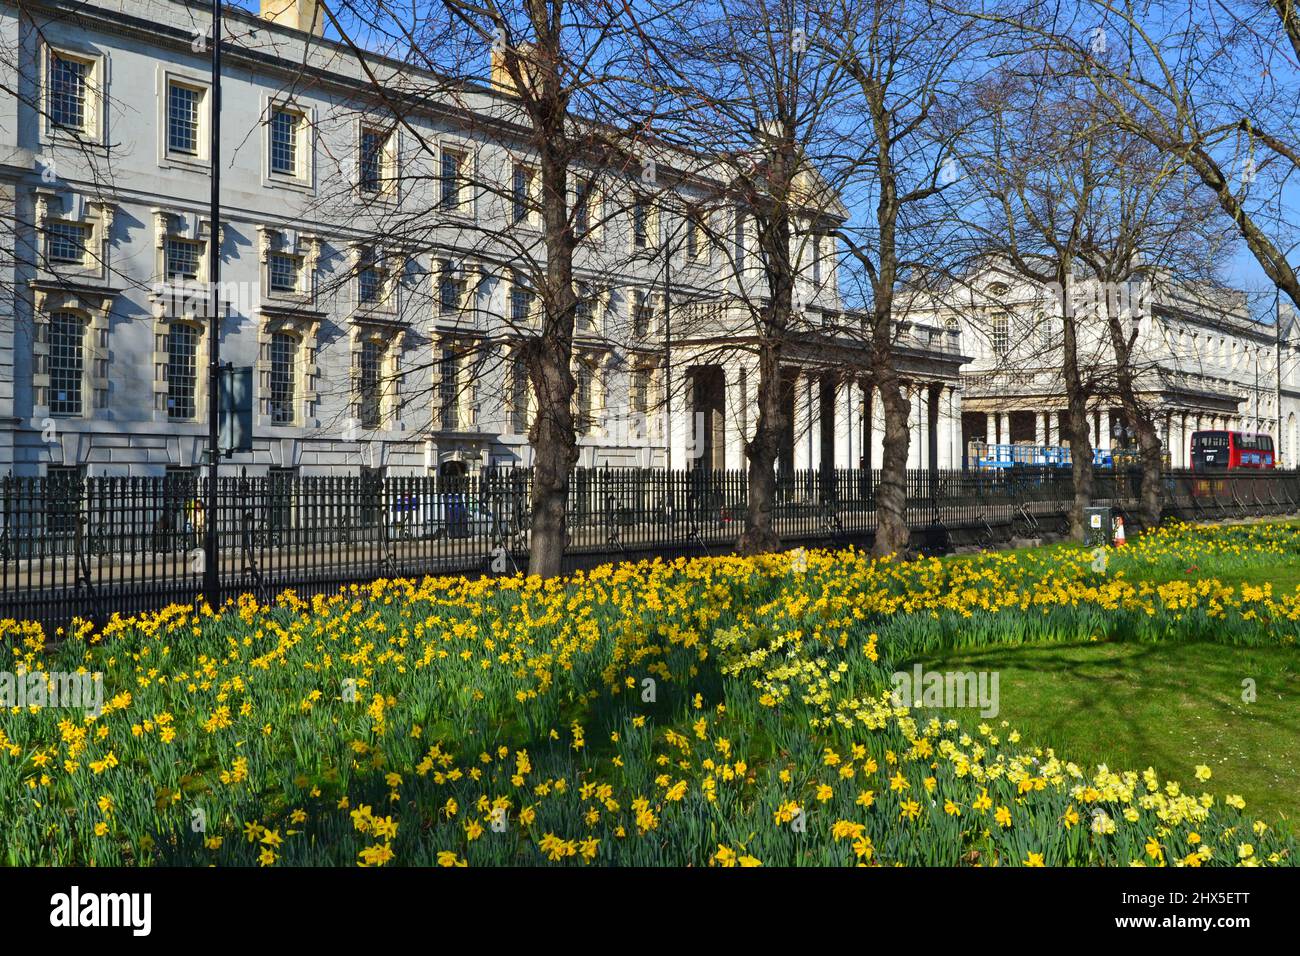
[718, 711]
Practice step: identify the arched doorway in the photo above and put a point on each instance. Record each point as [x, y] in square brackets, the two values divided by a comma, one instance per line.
[453, 468]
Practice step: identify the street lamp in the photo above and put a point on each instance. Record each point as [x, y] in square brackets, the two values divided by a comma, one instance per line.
[211, 575]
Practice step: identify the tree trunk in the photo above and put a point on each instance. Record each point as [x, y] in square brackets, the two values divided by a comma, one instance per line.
[549, 356]
[1080, 429]
[892, 532]
[1153, 485]
[774, 230]
[1149, 445]
[555, 452]
[759, 534]
[1080, 464]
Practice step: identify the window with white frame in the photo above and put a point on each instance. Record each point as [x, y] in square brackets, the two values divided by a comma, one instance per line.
[1000, 333]
[182, 371]
[1046, 329]
[284, 271]
[70, 101]
[642, 313]
[519, 392]
[584, 395]
[738, 239]
[449, 368]
[284, 142]
[370, 284]
[66, 242]
[66, 362]
[639, 390]
[696, 244]
[645, 226]
[521, 304]
[521, 194]
[182, 258]
[451, 179]
[377, 174]
[376, 279]
[451, 287]
[370, 383]
[283, 387]
[184, 108]
[584, 313]
[583, 202]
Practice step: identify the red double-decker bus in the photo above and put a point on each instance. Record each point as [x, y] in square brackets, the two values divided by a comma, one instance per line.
[1225, 451]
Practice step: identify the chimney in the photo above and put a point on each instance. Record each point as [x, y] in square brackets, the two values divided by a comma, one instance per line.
[304, 15]
[500, 72]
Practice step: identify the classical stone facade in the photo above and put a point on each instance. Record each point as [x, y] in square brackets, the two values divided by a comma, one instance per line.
[373, 347]
[1202, 363]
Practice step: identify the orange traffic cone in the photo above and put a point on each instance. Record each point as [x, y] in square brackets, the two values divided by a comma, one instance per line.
[1119, 532]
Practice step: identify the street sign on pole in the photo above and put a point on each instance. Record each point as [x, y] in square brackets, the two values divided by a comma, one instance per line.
[236, 409]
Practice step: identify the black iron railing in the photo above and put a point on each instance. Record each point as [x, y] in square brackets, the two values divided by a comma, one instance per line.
[95, 546]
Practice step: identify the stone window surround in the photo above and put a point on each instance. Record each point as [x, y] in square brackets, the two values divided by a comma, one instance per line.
[468, 277]
[169, 75]
[95, 214]
[305, 328]
[304, 179]
[389, 160]
[94, 306]
[94, 132]
[391, 264]
[466, 206]
[598, 362]
[468, 399]
[392, 337]
[177, 224]
[161, 360]
[306, 246]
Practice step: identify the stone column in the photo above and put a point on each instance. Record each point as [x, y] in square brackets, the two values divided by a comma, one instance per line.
[804, 458]
[1040, 428]
[815, 421]
[846, 405]
[914, 449]
[991, 429]
[1005, 419]
[949, 429]
[1104, 440]
[740, 411]
[1053, 428]
[931, 411]
[877, 429]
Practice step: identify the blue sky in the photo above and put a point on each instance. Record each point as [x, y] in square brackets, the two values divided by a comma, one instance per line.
[1241, 271]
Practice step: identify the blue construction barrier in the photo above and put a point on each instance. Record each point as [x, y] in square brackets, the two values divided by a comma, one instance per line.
[985, 455]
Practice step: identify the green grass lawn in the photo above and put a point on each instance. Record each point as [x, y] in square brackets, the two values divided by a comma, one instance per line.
[1171, 706]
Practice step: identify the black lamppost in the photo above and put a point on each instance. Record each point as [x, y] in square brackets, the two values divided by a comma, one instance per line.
[211, 575]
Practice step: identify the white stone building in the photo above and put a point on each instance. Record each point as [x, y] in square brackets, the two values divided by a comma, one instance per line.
[381, 340]
[1203, 364]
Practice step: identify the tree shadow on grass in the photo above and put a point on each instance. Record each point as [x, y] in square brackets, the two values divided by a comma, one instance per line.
[1106, 695]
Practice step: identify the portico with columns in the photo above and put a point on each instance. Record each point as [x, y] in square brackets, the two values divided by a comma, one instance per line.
[836, 417]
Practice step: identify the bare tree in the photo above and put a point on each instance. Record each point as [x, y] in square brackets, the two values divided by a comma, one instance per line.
[1034, 168]
[1213, 86]
[908, 61]
[760, 91]
[564, 98]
